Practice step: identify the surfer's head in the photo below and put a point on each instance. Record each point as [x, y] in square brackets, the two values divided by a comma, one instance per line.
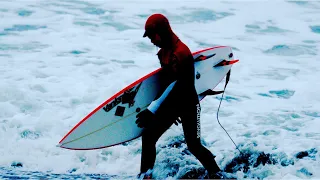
[158, 30]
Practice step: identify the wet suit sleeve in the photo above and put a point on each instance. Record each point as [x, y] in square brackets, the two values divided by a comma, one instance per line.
[154, 106]
[179, 70]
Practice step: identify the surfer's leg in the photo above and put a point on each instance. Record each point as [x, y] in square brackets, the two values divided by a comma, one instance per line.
[150, 137]
[191, 128]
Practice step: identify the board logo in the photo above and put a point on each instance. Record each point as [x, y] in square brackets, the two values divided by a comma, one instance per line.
[127, 97]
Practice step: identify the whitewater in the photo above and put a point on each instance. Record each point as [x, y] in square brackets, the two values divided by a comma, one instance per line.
[59, 60]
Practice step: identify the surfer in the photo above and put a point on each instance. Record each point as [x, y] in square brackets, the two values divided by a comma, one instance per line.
[177, 101]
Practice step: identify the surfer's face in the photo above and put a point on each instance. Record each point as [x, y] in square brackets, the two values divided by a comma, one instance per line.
[155, 39]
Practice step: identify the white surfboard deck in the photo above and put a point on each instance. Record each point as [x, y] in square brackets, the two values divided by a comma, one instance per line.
[113, 122]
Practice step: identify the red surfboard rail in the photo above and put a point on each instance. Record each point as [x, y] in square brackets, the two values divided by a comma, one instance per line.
[198, 52]
[111, 98]
[119, 93]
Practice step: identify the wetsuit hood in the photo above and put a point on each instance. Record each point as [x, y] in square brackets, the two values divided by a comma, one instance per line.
[159, 24]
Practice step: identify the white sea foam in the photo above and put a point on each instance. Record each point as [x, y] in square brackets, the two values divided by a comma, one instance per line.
[61, 59]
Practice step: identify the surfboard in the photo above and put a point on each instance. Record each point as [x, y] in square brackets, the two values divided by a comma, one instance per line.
[113, 122]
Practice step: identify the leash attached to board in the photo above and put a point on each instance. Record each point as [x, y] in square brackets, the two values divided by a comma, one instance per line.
[211, 92]
[227, 81]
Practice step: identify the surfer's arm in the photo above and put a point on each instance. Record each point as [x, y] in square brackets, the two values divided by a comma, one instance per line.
[154, 106]
[179, 70]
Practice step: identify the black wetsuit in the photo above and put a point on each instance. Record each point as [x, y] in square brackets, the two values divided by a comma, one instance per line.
[182, 101]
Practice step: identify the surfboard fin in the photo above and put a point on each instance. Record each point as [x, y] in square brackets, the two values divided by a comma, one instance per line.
[202, 57]
[225, 63]
[210, 92]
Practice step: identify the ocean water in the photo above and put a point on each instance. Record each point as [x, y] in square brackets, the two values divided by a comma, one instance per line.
[61, 59]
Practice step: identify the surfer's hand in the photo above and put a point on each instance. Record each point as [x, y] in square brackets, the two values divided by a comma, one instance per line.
[144, 118]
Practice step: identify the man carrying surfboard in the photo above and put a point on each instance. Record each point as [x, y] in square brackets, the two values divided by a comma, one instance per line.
[177, 99]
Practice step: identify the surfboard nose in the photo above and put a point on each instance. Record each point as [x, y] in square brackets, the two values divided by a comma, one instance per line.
[59, 145]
